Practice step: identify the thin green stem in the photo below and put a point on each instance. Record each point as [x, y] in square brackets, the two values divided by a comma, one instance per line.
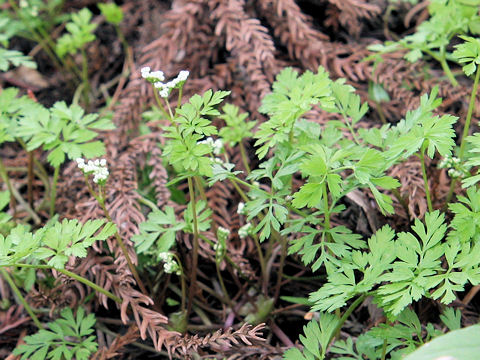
[379, 109]
[347, 313]
[14, 192]
[448, 72]
[72, 275]
[243, 154]
[425, 179]
[53, 193]
[471, 105]
[466, 129]
[101, 201]
[442, 59]
[283, 256]
[90, 284]
[182, 280]
[20, 297]
[150, 204]
[30, 179]
[222, 285]
[193, 279]
[326, 208]
[124, 249]
[86, 83]
[384, 349]
[179, 101]
[159, 103]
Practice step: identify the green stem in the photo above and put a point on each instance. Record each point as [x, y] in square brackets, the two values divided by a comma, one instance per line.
[72, 275]
[471, 105]
[101, 201]
[53, 193]
[30, 179]
[466, 129]
[448, 72]
[14, 192]
[222, 285]
[326, 208]
[86, 83]
[283, 256]
[425, 179]
[120, 242]
[17, 292]
[90, 284]
[243, 153]
[182, 280]
[193, 278]
[159, 103]
[347, 313]
[384, 349]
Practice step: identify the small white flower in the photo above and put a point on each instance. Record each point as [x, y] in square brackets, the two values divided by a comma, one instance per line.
[245, 230]
[145, 72]
[98, 168]
[34, 11]
[164, 93]
[217, 146]
[183, 75]
[23, 3]
[157, 75]
[240, 208]
[159, 85]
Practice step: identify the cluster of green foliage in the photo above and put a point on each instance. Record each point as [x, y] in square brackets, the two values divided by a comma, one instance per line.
[433, 259]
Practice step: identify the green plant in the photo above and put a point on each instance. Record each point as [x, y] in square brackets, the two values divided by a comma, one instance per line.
[448, 18]
[68, 337]
[81, 32]
[64, 131]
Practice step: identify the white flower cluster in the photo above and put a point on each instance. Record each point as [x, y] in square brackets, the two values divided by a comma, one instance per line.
[152, 76]
[170, 265]
[217, 145]
[222, 234]
[96, 167]
[449, 162]
[157, 78]
[452, 163]
[245, 230]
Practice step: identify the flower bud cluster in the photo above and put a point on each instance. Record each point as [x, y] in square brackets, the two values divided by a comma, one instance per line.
[217, 145]
[157, 78]
[455, 168]
[222, 234]
[170, 266]
[245, 230]
[96, 167]
[449, 162]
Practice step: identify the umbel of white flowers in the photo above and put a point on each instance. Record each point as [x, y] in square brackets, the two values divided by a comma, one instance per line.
[170, 266]
[156, 78]
[96, 167]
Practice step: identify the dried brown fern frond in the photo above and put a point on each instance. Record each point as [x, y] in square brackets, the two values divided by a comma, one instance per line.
[250, 45]
[350, 14]
[114, 349]
[219, 342]
[295, 31]
[412, 186]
